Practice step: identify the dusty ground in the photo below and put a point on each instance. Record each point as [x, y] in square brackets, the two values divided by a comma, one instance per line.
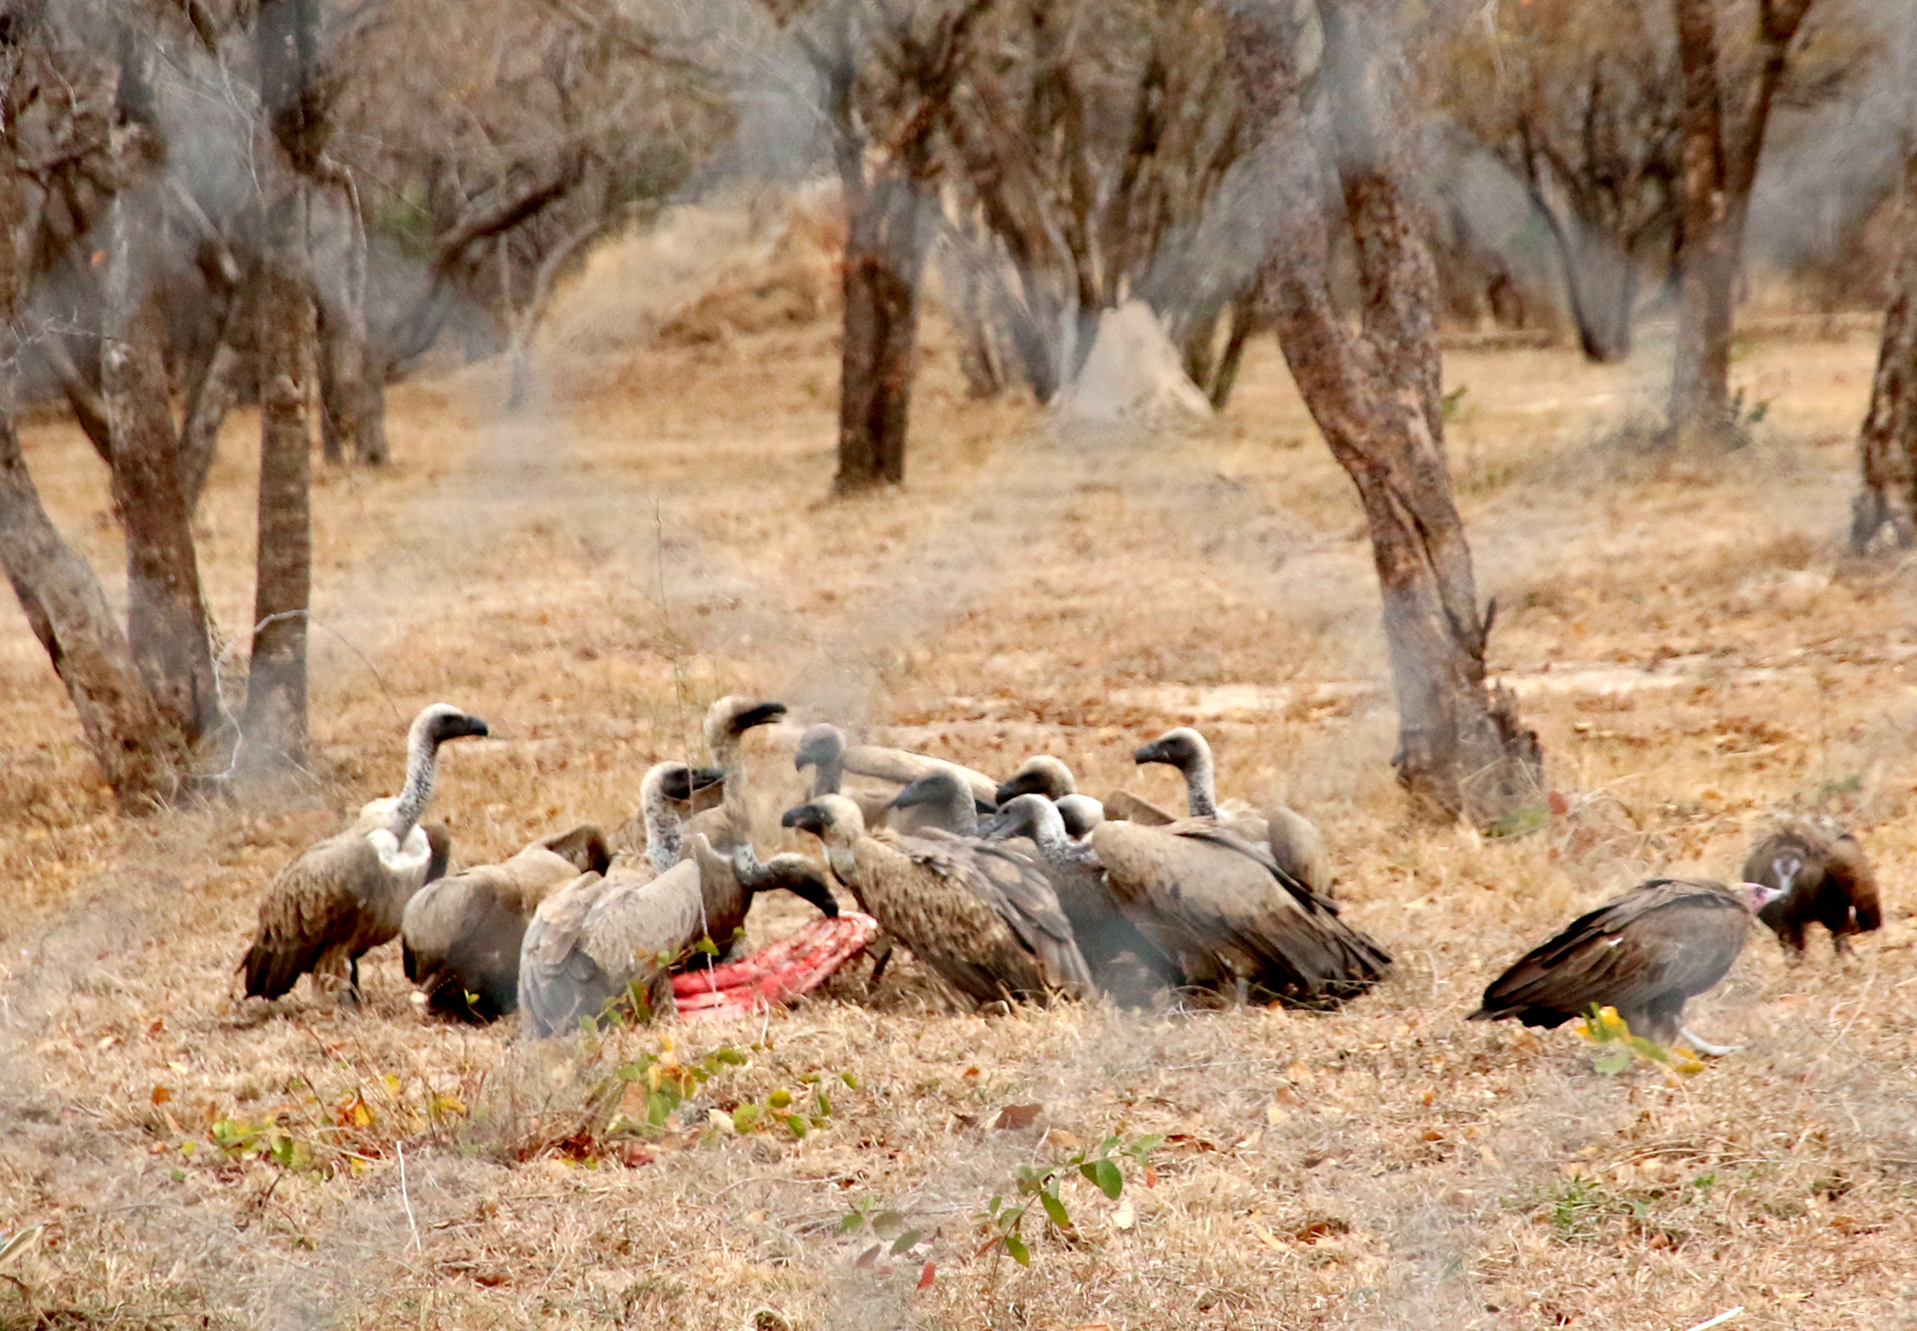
[1686, 635]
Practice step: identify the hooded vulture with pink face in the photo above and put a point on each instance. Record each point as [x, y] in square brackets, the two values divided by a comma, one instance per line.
[1645, 953]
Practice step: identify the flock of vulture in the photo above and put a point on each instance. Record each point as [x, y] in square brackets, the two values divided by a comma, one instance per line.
[1021, 891]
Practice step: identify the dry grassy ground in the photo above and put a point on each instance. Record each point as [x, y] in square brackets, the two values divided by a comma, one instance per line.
[1688, 639]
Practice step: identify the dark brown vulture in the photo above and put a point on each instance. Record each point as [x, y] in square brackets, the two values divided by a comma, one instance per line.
[1825, 880]
[982, 918]
[1645, 953]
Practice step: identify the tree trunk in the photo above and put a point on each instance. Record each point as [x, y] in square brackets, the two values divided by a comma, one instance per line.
[134, 745]
[275, 725]
[354, 402]
[1375, 395]
[1720, 168]
[1887, 445]
[884, 264]
[166, 614]
[1600, 287]
[276, 681]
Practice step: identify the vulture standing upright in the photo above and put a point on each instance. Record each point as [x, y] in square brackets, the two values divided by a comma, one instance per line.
[346, 894]
[606, 938]
[1126, 964]
[1294, 840]
[1825, 880]
[727, 721]
[1645, 953]
[823, 748]
[460, 936]
[983, 919]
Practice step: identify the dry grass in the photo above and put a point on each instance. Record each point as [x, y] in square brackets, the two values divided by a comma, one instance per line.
[1688, 639]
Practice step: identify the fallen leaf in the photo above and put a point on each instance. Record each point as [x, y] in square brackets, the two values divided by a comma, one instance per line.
[870, 1256]
[1124, 1217]
[1016, 1118]
[927, 1274]
[161, 1095]
[1061, 1139]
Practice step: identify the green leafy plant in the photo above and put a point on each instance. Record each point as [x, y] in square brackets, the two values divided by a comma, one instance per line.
[668, 1082]
[1004, 1219]
[1618, 1048]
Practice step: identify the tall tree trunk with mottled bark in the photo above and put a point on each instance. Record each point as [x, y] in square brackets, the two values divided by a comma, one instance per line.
[1722, 147]
[884, 269]
[1462, 750]
[1887, 445]
[275, 724]
[166, 613]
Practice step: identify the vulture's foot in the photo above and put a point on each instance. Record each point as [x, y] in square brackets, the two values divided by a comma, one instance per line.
[1705, 1047]
[783, 971]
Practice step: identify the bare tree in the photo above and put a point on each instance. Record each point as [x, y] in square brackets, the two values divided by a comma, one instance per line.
[1462, 750]
[887, 75]
[1722, 146]
[1581, 101]
[1887, 444]
[132, 741]
[289, 145]
[1088, 138]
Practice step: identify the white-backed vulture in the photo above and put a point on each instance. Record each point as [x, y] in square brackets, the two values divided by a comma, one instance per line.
[1124, 963]
[1825, 880]
[1645, 953]
[939, 801]
[346, 894]
[1294, 840]
[606, 941]
[1040, 774]
[1125, 807]
[460, 936]
[1230, 917]
[983, 919]
[727, 720]
[1081, 814]
[824, 749]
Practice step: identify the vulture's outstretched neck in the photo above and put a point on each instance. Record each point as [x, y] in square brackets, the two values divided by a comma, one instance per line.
[422, 754]
[664, 846]
[1201, 792]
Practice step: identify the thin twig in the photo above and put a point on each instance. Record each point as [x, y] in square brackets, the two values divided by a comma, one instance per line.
[404, 1197]
[1718, 1320]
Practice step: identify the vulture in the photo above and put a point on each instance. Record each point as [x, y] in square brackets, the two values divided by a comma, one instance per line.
[459, 936]
[1040, 775]
[606, 939]
[1223, 908]
[346, 894]
[823, 748]
[1080, 813]
[1824, 879]
[982, 918]
[1645, 953]
[727, 720]
[1126, 965]
[1294, 840]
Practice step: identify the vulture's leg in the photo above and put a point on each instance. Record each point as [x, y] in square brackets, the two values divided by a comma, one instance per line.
[881, 955]
[332, 979]
[1840, 943]
[1243, 987]
[1704, 1046]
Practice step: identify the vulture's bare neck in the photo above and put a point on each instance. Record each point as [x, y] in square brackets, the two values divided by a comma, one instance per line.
[421, 758]
[663, 843]
[1201, 791]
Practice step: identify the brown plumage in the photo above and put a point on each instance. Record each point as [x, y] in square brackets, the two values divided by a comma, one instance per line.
[460, 936]
[1221, 907]
[823, 748]
[600, 941]
[1825, 879]
[983, 919]
[1293, 839]
[345, 895]
[1645, 953]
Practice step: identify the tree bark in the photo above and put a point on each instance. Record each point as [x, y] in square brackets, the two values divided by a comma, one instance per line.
[884, 268]
[275, 726]
[353, 419]
[1462, 751]
[166, 613]
[1887, 444]
[134, 745]
[1720, 168]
